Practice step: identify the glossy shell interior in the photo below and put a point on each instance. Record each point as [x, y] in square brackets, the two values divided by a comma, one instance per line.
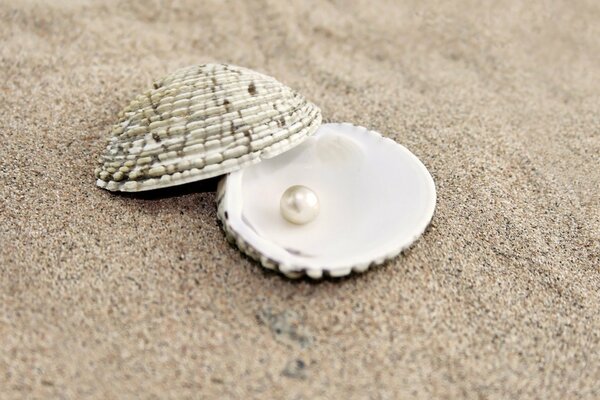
[376, 199]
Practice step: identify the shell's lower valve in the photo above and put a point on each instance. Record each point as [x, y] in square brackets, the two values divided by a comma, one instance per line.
[299, 205]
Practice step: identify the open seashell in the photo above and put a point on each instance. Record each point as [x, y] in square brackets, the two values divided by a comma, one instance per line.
[200, 122]
[338, 201]
[376, 198]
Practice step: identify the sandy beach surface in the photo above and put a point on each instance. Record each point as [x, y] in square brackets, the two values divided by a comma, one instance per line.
[110, 296]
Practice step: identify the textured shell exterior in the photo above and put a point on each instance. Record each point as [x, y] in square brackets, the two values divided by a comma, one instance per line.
[376, 197]
[200, 122]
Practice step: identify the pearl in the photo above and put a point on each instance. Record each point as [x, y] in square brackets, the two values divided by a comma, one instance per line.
[299, 205]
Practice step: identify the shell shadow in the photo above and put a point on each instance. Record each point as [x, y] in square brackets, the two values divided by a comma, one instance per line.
[202, 186]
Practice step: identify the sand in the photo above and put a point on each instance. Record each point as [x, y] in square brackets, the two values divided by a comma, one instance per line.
[106, 296]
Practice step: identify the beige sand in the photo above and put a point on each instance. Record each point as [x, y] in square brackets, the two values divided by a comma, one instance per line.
[105, 296]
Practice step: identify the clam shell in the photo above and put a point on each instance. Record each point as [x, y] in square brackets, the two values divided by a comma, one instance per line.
[200, 122]
[376, 199]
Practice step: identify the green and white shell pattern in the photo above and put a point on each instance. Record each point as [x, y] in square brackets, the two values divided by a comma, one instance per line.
[200, 122]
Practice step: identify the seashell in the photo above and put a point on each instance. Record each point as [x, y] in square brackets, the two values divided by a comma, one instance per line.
[376, 198]
[326, 200]
[200, 122]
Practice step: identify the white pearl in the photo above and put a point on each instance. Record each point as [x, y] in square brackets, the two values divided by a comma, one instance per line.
[299, 205]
